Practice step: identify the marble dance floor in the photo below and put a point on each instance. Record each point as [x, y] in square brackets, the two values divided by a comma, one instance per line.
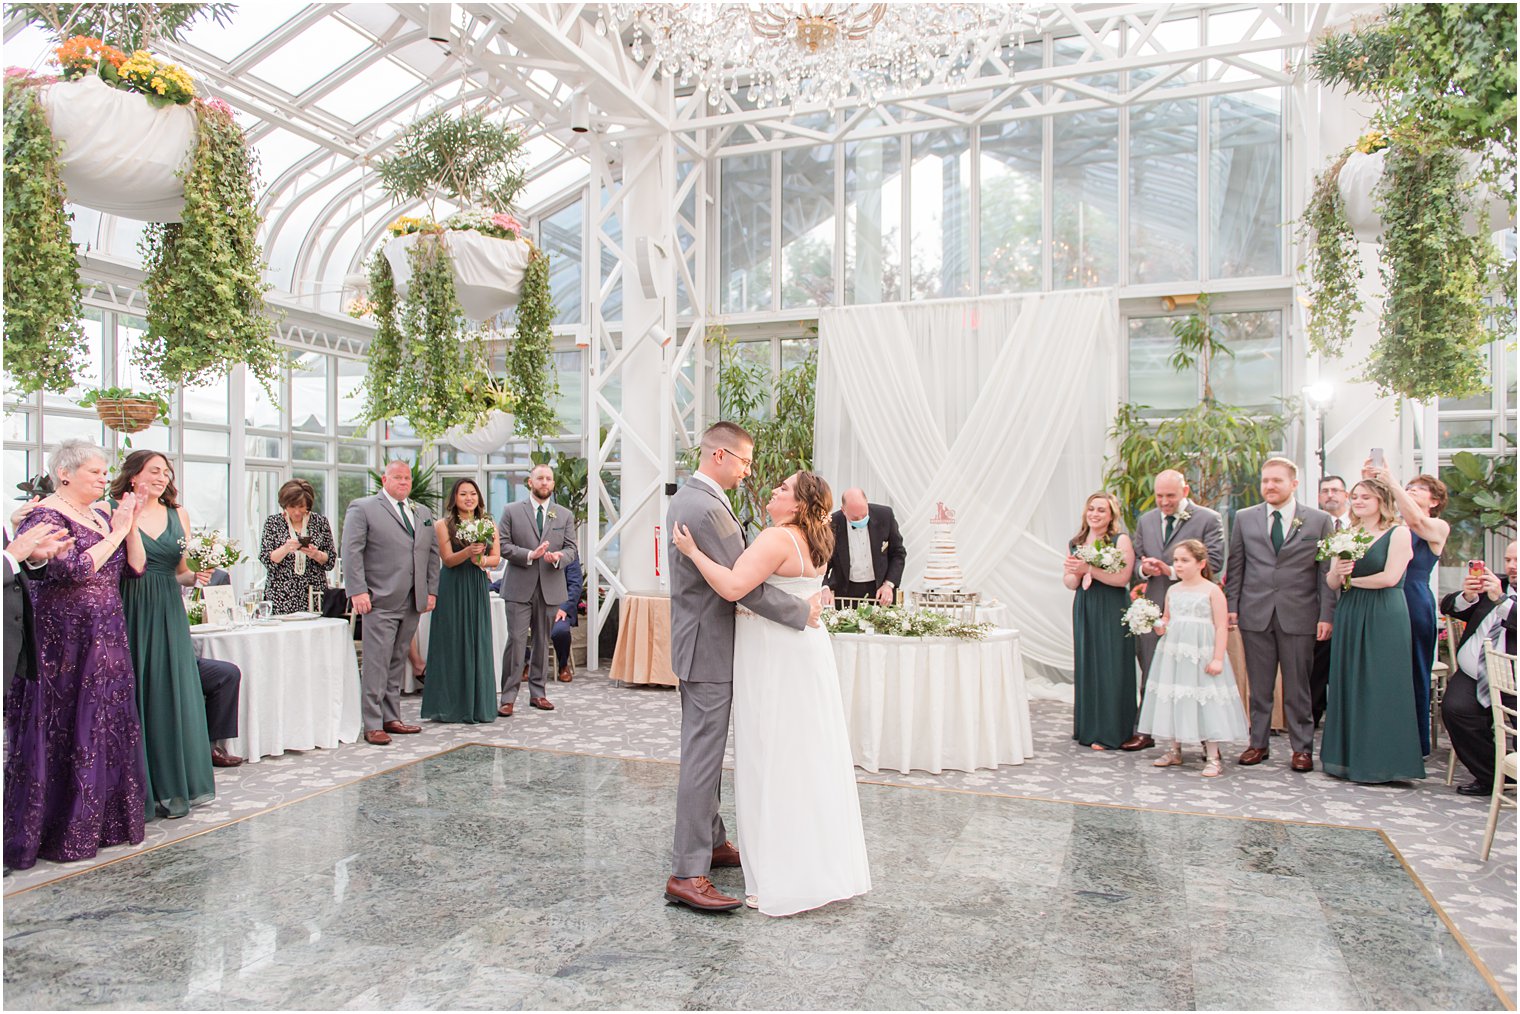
[493, 877]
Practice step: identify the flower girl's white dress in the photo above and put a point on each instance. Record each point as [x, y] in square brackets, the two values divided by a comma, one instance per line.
[794, 777]
[1183, 702]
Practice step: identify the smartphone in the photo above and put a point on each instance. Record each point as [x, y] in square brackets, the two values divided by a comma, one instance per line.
[304, 540]
[1475, 566]
[1377, 457]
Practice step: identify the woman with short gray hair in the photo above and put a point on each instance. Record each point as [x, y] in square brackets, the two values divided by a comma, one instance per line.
[74, 778]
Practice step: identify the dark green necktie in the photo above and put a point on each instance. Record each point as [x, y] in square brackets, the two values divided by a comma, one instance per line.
[1171, 526]
[406, 521]
[1277, 533]
[540, 519]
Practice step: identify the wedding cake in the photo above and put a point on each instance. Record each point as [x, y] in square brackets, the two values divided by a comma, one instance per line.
[943, 571]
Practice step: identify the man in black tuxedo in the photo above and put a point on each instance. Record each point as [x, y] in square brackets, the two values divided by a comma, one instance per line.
[868, 555]
[1486, 604]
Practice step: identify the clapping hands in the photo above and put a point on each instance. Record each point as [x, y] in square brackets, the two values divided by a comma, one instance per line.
[125, 515]
[40, 543]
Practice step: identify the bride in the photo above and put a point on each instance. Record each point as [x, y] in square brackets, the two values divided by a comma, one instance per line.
[794, 778]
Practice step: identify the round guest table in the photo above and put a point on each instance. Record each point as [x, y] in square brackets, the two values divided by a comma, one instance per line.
[932, 703]
[498, 642]
[642, 654]
[300, 684]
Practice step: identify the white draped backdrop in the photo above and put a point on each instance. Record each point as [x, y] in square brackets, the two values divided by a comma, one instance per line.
[1000, 408]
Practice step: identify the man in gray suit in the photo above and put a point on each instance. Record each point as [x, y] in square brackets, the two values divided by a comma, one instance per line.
[390, 571]
[538, 542]
[702, 655]
[1278, 596]
[1173, 521]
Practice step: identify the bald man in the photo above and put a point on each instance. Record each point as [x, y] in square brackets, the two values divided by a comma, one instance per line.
[868, 555]
[1173, 520]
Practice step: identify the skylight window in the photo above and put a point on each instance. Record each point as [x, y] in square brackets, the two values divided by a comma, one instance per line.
[311, 55]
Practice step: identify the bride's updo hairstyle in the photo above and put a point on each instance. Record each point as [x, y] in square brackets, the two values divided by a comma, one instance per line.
[815, 502]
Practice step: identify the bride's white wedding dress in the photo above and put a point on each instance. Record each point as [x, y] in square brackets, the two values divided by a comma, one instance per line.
[794, 777]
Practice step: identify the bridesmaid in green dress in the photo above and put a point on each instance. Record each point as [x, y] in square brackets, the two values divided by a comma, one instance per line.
[461, 685]
[1105, 658]
[1371, 733]
[170, 701]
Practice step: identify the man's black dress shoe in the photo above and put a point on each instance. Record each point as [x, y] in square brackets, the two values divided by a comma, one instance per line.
[1474, 789]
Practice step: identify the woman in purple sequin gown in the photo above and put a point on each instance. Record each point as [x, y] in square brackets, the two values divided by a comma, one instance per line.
[74, 761]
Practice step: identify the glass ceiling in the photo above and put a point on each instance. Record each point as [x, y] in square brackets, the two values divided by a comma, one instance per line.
[323, 89]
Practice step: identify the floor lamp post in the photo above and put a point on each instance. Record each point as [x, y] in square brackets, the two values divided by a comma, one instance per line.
[1319, 396]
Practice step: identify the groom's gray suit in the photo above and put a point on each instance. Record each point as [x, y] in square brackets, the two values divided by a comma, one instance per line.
[702, 655]
[1278, 598]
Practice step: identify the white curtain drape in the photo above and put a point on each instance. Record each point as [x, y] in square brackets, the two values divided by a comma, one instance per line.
[1000, 408]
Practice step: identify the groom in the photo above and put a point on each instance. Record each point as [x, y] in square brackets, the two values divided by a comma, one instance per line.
[702, 655]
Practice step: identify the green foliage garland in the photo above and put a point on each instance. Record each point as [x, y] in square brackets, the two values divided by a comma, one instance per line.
[204, 282]
[44, 339]
[1333, 270]
[897, 621]
[423, 365]
[1433, 333]
[530, 357]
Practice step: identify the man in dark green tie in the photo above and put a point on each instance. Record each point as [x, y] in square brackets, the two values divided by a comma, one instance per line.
[1280, 600]
[538, 542]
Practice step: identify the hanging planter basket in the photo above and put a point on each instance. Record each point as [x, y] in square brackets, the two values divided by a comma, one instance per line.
[487, 438]
[1361, 174]
[118, 153]
[488, 272]
[127, 415]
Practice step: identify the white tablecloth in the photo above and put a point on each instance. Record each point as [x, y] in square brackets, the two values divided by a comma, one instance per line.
[934, 703]
[300, 684]
[498, 641]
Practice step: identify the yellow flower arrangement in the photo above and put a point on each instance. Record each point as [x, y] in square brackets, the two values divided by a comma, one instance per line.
[157, 79]
[407, 224]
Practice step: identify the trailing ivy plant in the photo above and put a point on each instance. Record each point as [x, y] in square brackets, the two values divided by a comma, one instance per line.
[1332, 271]
[44, 339]
[531, 376]
[205, 283]
[423, 364]
[1220, 447]
[1435, 325]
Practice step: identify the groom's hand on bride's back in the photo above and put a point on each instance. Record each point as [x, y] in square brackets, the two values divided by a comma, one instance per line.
[815, 609]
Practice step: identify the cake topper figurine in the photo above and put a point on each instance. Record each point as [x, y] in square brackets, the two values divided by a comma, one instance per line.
[943, 515]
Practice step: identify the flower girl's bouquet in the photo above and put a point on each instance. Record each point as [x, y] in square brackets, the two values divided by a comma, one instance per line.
[474, 530]
[1103, 555]
[1346, 544]
[209, 549]
[1141, 617]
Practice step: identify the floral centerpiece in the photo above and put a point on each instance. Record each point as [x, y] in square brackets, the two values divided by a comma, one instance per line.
[1346, 544]
[897, 621]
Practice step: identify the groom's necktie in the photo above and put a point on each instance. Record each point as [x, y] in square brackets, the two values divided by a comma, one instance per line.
[1171, 526]
[1277, 532]
[540, 519]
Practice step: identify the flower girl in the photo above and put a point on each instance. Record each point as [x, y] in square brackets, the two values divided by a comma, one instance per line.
[1191, 693]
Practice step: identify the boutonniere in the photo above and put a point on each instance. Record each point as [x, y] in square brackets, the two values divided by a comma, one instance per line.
[1298, 523]
[552, 515]
[883, 547]
[1184, 515]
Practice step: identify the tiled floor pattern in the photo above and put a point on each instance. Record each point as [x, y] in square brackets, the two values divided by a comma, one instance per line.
[504, 878]
[1435, 831]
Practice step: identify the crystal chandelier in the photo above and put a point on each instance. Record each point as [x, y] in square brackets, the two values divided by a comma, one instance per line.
[779, 53]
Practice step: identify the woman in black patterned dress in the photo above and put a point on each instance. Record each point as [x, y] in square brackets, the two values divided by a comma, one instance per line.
[297, 549]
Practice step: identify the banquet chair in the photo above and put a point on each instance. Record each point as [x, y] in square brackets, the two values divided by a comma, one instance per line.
[1501, 681]
[1438, 691]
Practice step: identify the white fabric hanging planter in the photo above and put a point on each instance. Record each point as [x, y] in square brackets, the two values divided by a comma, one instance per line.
[487, 438]
[1358, 181]
[118, 153]
[488, 272]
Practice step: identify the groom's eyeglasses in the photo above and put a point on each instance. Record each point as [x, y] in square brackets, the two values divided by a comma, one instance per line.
[748, 462]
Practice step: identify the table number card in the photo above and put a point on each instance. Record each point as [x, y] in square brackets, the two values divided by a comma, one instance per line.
[220, 603]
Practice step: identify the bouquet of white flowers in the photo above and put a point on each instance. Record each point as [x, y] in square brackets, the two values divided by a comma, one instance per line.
[1346, 544]
[208, 549]
[1103, 555]
[482, 530]
[1141, 617]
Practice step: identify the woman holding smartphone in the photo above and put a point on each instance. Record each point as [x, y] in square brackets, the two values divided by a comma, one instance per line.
[1420, 502]
[297, 549]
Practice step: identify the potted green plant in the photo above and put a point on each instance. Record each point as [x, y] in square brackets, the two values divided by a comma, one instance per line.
[493, 426]
[424, 485]
[125, 410]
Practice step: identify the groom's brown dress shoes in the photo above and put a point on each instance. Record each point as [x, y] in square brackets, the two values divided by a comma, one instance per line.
[1139, 741]
[700, 894]
[726, 855]
[399, 728]
[1302, 761]
[1255, 755]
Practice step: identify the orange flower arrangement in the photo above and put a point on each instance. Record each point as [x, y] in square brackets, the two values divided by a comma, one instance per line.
[83, 54]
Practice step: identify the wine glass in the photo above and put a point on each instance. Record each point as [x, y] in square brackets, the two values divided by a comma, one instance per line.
[250, 604]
